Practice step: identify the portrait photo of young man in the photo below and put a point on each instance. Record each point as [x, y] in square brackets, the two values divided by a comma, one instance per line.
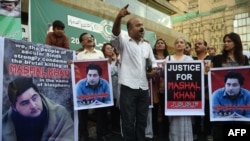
[229, 95]
[92, 86]
[32, 116]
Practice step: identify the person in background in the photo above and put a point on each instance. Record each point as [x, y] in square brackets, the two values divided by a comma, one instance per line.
[180, 127]
[82, 43]
[232, 56]
[201, 54]
[211, 51]
[88, 50]
[134, 96]
[34, 117]
[89, 53]
[110, 52]
[10, 8]
[57, 38]
[160, 51]
[188, 49]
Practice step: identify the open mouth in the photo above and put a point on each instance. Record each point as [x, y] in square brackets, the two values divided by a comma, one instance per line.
[142, 30]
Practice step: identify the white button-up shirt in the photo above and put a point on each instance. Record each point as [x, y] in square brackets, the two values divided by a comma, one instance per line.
[133, 61]
[85, 54]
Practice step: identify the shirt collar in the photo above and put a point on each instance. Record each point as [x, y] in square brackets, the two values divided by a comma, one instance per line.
[85, 51]
[142, 40]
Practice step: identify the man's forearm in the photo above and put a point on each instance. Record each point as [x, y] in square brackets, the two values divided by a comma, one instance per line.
[117, 26]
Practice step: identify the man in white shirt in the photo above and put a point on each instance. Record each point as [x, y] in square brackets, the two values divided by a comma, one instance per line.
[134, 96]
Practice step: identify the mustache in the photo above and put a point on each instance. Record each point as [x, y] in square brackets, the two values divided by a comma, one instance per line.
[89, 41]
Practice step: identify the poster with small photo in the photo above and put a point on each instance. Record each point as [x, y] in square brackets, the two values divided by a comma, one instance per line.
[229, 93]
[92, 84]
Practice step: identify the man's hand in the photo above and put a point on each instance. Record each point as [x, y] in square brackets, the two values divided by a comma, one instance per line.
[117, 23]
[152, 73]
[124, 12]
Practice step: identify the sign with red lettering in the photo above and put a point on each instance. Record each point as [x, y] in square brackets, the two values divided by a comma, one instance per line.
[92, 85]
[229, 93]
[35, 87]
[184, 88]
[46, 65]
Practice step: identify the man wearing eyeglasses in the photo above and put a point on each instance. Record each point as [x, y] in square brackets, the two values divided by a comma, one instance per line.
[88, 50]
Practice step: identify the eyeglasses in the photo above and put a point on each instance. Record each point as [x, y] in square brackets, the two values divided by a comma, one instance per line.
[88, 38]
[110, 49]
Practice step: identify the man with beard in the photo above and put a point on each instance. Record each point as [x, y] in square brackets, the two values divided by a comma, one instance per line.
[57, 37]
[134, 96]
[34, 117]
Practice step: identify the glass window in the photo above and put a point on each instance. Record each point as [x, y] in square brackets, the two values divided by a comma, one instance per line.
[248, 21]
[239, 30]
[248, 29]
[235, 23]
[244, 30]
[244, 22]
[243, 37]
[240, 22]
[143, 10]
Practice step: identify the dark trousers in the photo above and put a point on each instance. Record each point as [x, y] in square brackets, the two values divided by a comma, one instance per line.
[101, 122]
[134, 111]
[82, 126]
[115, 117]
[197, 126]
[155, 113]
[207, 123]
[165, 121]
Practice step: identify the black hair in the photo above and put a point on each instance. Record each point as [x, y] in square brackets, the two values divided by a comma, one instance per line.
[59, 24]
[238, 49]
[205, 42]
[18, 86]
[93, 66]
[166, 53]
[80, 37]
[104, 47]
[189, 44]
[234, 74]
